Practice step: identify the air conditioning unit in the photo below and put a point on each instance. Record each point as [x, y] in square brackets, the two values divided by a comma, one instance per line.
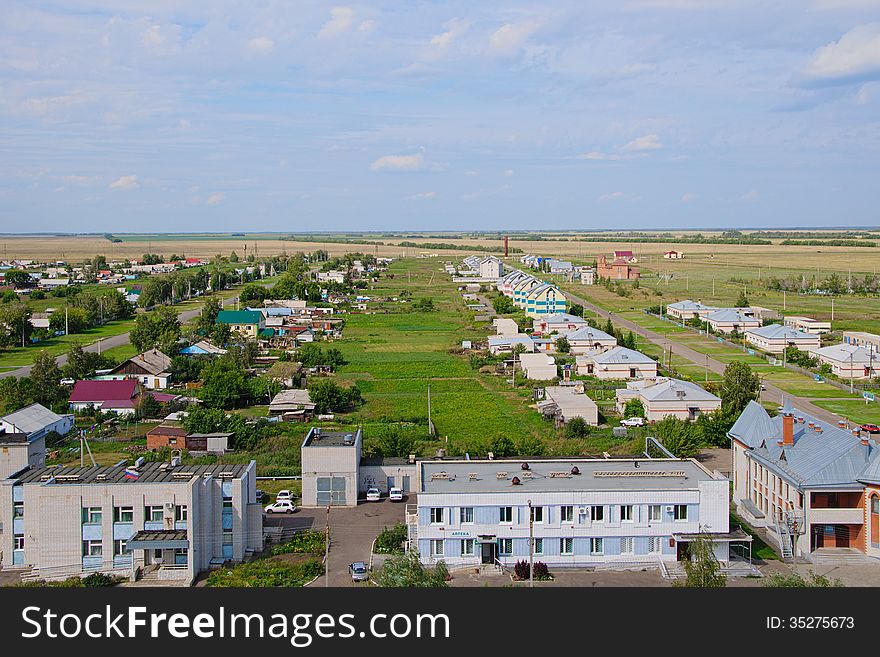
[583, 510]
[669, 508]
[169, 506]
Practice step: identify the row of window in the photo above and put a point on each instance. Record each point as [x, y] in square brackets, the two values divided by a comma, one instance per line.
[566, 514]
[566, 546]
[93, 515]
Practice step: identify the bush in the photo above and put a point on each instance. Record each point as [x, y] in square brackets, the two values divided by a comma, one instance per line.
[521, 570]
[307, 542]
[98, 580]
[390, 541]
[577, 427]
[542, 573]
[263, 573]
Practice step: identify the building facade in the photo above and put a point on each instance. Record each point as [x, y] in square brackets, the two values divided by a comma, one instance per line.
[617, 363]
[775, 338]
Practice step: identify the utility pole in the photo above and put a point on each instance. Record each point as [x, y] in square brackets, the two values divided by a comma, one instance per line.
[531, 545]
[327, 543]
[429, 408]
[66, 325]
[832, 309]
[850, 372]
[707, 368]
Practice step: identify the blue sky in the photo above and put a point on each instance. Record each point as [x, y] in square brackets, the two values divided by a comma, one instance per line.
[168, 115]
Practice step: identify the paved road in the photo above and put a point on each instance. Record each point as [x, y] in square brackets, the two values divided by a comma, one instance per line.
[772, 393]
[109, 343]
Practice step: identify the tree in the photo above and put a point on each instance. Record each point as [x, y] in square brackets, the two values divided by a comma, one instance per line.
[253, 292]
[423, 304]
[71, 320]
[208, 315]
[149, 407]
[46, 380]
[609, 327]
[15, 393]
[502, 446]
[393, 442]
[678, 436]
[244, 353]
[15, 327]
[17, 278]
[714, 427]
[576, 309]
[702, 569]
[329, 397]
[407, 571]
[503, 305]
[224, 384]
[82, 364]
[562, 345]
[158, 329]
[577, 427]
[742, 301]
[738, 387]
[634, 408]
[795, 580]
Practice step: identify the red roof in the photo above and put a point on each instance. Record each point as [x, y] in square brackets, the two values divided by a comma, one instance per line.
[162, 397]
[112, 394]
[619, 254]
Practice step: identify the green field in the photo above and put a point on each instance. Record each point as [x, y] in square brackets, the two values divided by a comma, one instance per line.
[855, 410]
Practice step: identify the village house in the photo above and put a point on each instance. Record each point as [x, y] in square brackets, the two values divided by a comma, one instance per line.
[290, 403]
[508, 282]
[617, 363]
[588, 276]
[588, 338]
[505, 326]
[813, 486]
[807, 324]
[202, 348]
[502, 344]
[538, 367]
[176, 437]
[565, 403]
[626, 256]
[848, 361]
[617, 270]
[870, 341]
[247, 323]
[686, 310]
[664, 397]
[491, 268]
[121, 397]
[731, 320]
[151, 369]
[558, 323]
[775, 338]
[544, 300]
[673, 255]
[23, 437]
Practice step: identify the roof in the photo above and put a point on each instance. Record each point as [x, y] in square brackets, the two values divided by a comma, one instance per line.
[571, 403]
[109, 393]
[589, 334]
[31, 419]
[152, 361]
[780, 332]
[239, 317]
[151, 472]
[618, 355]
[845, 353]
[536, 360]
[167, 430]
[562, 318]
[500, 340]
[554, 475]
[318, 437]
[13, 438]
[202, 346]
[295, 397]
[676, 389]
[830, 457]
[688, 304]
[731, 315]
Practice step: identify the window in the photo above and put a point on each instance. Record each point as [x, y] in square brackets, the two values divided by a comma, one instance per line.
[181, 512]
[597, 513]
[566, 514]
[437, 548]
[92, 548]
[566, 546]
[466, 514]
[505, 546]
[18, 510]
[227, 506]
[227, 538]
[505, 514]
[153, 514]
[655, 513]
[654, 545]
[436, 515]
[680, 512]
[467, 547]
[120, 548]
[626, 513]
[91, 515]
[18, 542]
[597, 546]
[539, 546]
[330, 491]
[538, 514]
[626, 545]
[123, 514]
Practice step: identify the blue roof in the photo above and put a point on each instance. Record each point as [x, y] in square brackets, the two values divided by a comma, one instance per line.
[778, 331]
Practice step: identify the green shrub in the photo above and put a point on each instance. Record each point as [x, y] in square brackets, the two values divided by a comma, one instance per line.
[263, 573]
[390, 540]
[307, 542]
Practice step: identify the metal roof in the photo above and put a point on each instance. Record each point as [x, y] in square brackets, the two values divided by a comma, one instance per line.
[669, 390]
[588, 333]
[31, 419]
[617, 355]
[148, 473]
[780, 332]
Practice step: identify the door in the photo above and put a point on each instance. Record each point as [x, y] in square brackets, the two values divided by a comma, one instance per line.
[389, 481]
[683, 552]
[405, 483]
[488, 553]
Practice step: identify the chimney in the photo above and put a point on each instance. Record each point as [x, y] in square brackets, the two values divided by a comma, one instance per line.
[788, 430]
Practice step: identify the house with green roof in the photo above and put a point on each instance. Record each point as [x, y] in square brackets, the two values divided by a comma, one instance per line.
[245, 322]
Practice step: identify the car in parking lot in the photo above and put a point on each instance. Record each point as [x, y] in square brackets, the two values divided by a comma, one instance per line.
[284, 495]
[260, 495]
[284, 506]
[373, 495]
[870, 428]
[633, 422]
[358, 571]
[395, 495]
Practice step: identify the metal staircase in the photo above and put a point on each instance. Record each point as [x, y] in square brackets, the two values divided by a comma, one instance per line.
[785, 542]
[412, 527]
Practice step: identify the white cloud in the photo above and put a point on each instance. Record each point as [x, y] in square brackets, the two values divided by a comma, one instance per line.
[398, 163]
[593, 155]
[216, 198]
[856, 53]
[508, 38]
[454, 29]
[508, 173]
[612, 196]
[423, 196]
[645, 143]
[125, 183]
[341, 21]
[261, 45]
[367, 26]
[751, 195]
[687, 197]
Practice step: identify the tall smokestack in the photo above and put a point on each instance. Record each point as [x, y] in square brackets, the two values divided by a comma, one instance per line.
[506, 245]
[788, 429]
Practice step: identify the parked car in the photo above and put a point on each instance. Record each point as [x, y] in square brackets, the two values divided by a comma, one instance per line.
[68, 382]
[284, 495]
[358, 571]
[373, 495]
[284, 506]
[870, 428]
[395, 495]
[633, 422]
[260, 495]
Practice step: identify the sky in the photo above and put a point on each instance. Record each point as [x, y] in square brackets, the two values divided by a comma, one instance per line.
[292, 115]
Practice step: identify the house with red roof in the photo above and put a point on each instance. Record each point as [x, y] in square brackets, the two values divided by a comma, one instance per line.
[121, 397]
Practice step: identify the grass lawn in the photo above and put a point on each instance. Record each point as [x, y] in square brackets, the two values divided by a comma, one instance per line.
[800, 385]
[856, 410]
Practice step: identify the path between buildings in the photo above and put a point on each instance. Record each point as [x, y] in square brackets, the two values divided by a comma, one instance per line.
[772, 393]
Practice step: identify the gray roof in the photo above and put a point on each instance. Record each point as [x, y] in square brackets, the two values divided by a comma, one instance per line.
[318, 437]
[153, 361]
[153, 472]
[832, 457]
[562, 318]
[688, 304]
[31, 419]
[554, 475]
[588, 333]
[845, 353]
[780, 332]
[617, 355]
[669, 390]
[731, 315]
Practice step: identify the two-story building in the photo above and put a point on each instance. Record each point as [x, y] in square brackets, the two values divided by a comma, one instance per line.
[247, 323]
[567, 512]
[545, 299]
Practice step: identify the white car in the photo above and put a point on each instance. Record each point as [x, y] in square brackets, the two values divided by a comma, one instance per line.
[395, 495]
[284, 506]
[633, 422]
[373, 495]
[284, 495]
